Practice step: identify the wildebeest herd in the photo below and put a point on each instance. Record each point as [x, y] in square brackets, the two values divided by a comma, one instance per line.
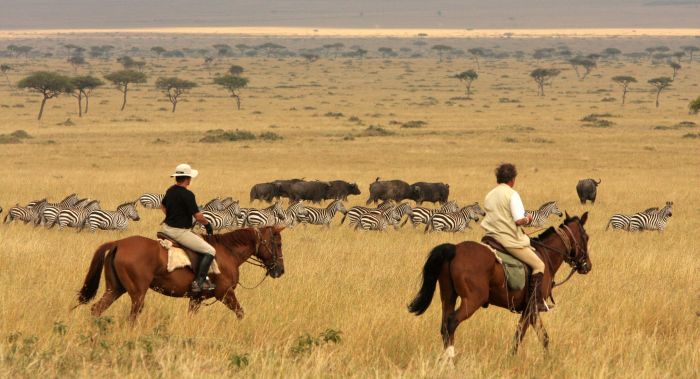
[389, 195]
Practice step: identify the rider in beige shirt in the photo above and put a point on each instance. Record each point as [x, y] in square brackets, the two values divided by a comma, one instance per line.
[505, 215]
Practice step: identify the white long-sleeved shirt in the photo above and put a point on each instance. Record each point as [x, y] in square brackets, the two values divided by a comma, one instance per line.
[517, 209]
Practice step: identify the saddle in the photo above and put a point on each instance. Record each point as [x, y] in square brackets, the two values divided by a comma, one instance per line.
[192, 256]
[517, 273]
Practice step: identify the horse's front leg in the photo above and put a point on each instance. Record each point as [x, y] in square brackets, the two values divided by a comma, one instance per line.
[229, 299]
[523, 324]
[541, 332]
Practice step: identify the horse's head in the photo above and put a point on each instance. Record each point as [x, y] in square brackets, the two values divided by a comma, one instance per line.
[269, 250]
[578, 256]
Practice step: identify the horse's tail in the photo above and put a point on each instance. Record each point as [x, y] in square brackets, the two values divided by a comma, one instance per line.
[92, 279]
[608, 226]
[431, 271]
[342, 220]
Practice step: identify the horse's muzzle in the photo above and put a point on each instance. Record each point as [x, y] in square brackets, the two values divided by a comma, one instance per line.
[584, 269]
[276, 272]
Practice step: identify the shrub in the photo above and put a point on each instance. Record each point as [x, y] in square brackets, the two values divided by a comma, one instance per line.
[220, 135]
[21, 134]
[414, 124]
[377, 131]
[333, 114]
[270, 136]
[691, 135]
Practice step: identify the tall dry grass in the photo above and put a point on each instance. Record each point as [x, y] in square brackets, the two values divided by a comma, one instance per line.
[634, 315]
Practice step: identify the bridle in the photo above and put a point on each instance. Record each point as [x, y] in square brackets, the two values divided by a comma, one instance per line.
[575, 254]
[255, 259]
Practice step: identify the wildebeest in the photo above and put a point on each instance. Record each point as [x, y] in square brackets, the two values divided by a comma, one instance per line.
[340, 190]
[396, 190]
[264, 192]
[432, 192]
[587, 189]
[311, 191]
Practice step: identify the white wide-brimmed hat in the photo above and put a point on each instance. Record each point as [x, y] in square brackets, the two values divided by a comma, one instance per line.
[184, 169]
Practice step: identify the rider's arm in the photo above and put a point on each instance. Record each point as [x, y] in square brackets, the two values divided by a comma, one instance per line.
[517, 210]
[200, 218]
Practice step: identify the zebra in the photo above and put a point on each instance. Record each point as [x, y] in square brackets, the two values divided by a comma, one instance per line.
[356, 212]
[225, 218]
[652, 220]
[26, 214]
[228, 201]
[622, 221]
[75, 216]
[113, 220]
[455, 221]
[293, 214]
[539, 217]
[259, 218]
[322, 216]
[151, 200]
[50, 211]
[422, 215]
[214, 204]
[379, 220]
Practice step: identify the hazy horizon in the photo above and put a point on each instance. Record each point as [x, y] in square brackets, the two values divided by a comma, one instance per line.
[73, 14]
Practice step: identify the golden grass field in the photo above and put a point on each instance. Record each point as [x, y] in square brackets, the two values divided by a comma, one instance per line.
[635, 315]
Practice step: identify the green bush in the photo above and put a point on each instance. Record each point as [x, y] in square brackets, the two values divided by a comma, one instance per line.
[414, 124]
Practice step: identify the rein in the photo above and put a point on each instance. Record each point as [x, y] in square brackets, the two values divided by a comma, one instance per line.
[567, 240]
[255, 261]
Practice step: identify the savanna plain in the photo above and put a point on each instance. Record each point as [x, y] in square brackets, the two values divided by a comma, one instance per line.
[340, 308]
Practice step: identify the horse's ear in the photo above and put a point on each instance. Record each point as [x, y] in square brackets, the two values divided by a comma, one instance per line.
[278, 228]
[584, 218]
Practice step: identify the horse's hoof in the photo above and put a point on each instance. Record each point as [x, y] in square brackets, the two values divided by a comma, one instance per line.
[450, 353]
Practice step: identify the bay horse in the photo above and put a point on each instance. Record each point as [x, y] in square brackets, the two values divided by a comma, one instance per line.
[469, 270]
[134, 264]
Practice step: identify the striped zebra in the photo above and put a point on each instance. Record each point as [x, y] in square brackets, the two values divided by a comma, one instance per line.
[379, 220]
[652, 220]
[455, 221]
[293, 214]
[51, 210]
[228, 201]
[113, 220]
[356, 212]
[258, 218]
[26, 214]
[622, 221]
[225, 218]
[421, 215]
[151, 200]
[76, 216]
[539, 217]
[322, 216]
[214, 204]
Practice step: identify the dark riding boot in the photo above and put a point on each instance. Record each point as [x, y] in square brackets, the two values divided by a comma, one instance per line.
[201, 282]
[535, 292]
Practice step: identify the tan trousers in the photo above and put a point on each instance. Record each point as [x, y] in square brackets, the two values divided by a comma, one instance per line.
[527, 255]
[187, 238]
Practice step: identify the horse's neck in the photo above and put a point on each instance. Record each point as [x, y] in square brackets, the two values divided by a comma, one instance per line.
[553, 257]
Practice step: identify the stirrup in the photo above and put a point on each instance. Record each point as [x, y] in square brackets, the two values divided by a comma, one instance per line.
[208, 285]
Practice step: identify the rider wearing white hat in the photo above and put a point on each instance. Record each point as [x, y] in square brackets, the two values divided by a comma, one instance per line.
[180, 206]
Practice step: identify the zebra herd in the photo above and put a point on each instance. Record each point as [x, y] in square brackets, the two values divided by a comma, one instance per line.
[82, 213]
[649, 219]
[73, 212]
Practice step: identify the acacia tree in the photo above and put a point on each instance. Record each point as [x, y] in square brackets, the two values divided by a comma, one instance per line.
[4, 68]
[174, 87]
[270, 48]
[122, 79]
[49, 84]
[82, 87]
[467, 77]
[233, 84]
[694, 106]
[675, 67]
[158, 50]
[624, 81]
[207, 63]
[76, 61]
[611, 52]
[542, 77]
[587, 64]
[235, 70]
[690, 50]
[476, 53]
[385, 51]
[309, 58]
[441, 50]
[660, 84]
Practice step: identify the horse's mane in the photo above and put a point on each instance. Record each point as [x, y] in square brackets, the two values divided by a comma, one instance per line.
[545, 234]
[238, 237]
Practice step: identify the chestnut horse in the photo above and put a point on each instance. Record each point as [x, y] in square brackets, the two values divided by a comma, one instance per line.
[470, 270]
[134, 264]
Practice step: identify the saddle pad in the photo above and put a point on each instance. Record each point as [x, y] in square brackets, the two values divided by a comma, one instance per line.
[513, 268]
[177, 258]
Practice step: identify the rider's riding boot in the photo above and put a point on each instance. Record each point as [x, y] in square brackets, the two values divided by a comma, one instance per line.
[535, 292]
[201, 282]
